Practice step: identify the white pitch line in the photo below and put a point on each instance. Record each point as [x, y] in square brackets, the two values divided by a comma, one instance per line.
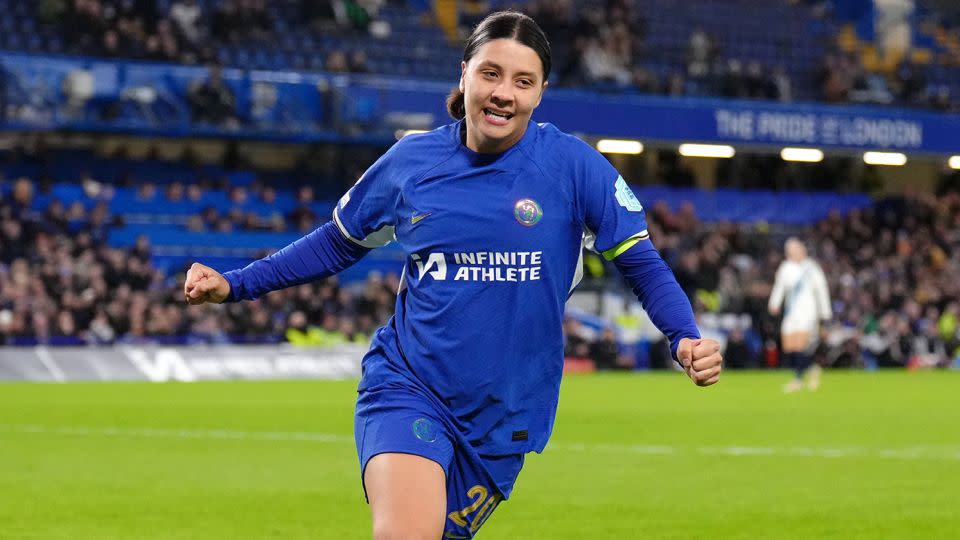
[165, 433]
[47, 360]
[951, 453]
[942, 452]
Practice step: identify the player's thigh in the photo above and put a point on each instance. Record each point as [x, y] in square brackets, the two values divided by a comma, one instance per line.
[408, 496]
[796, 341]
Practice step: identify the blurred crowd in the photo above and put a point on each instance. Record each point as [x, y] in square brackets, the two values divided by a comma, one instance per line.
[607, 51]
[61, 284]
[842, 78]
[188, 33]
[603, 47]
[238, 216]
[139, 29]
[891, 270]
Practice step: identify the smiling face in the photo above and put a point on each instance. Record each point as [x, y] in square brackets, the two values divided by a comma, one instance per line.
[502, 85]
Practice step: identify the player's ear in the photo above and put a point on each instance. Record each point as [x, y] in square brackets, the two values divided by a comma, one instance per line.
[463, 73]
[540, 97]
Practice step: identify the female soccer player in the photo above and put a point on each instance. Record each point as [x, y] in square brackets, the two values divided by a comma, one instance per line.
[492, 212]
[801, 286]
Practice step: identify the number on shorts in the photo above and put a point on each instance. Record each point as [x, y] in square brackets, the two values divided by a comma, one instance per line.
[482, 505]
[460, 516]
[485, 512]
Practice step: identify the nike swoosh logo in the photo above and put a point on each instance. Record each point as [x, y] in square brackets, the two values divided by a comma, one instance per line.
[417, 219]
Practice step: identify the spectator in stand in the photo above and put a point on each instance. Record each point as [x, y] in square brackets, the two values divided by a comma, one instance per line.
[700, 53]
[556, 17]
[186, 16]
[758, 85]
[783, 87]
[602, 63]
[940, 99]
[574, 344]
[321, 15]
[226, 22]
[732, 82]
[110, 47]
[833, 87]
[910, 83]
[605, 353]
[169, 45]
[337, 62]
[253, 20]
[303, 218]
[645, 81]
[358, 62]
[676, 84]
[737, 353]
[174, 192]
[212, 101]
[299, 333]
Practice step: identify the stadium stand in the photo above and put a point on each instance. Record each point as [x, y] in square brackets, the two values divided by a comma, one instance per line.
[92, 247]
[98, 263]
[782, 50]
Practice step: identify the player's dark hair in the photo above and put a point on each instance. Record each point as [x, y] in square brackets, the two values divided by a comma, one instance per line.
[500, 25]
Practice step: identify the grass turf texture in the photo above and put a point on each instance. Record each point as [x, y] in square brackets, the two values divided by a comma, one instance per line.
[871, 455]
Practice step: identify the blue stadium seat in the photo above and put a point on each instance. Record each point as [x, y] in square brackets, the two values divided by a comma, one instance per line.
[224, 56]
[288, 43]
[298, 61]
[12, 40]
[54, 44]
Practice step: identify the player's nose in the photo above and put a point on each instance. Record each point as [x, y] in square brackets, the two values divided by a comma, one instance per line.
[502, 93]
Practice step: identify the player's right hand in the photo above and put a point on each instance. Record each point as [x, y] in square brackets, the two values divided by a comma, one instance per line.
[701, 360]
[204, 284]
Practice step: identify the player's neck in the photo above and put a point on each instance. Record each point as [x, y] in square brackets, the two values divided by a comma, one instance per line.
[476, 143]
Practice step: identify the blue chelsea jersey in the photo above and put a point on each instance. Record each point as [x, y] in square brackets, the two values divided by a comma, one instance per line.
[493, 246]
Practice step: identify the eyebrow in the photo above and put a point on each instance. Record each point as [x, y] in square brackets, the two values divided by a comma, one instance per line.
[500, 68]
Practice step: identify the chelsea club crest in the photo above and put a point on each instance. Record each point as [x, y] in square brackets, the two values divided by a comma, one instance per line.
[527, 212]
[424, 430]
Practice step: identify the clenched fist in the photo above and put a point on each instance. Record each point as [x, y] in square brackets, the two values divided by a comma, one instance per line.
[204, 284]
[701, 360]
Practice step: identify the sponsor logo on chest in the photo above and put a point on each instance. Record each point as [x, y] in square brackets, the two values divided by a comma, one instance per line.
[505, 266]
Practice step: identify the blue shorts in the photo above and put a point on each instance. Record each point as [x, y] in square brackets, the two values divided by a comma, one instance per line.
[397, 419]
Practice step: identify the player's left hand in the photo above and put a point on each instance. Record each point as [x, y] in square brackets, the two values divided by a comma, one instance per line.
[701, 360]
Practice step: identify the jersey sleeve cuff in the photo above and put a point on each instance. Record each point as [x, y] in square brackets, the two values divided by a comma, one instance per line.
[233, 278]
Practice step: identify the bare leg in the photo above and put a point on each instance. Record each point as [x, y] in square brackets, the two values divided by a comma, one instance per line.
[408, 497]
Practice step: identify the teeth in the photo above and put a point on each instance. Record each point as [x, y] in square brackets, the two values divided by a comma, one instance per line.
[488, 111]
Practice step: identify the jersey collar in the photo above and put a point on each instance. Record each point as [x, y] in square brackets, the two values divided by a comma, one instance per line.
[477, 158]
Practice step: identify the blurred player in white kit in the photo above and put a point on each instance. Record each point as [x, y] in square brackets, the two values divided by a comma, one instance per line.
[800, 291]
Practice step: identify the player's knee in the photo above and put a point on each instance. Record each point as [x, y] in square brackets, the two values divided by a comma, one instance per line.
[406, 531]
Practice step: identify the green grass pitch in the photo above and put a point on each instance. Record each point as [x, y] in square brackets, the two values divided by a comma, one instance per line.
[871, 455]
